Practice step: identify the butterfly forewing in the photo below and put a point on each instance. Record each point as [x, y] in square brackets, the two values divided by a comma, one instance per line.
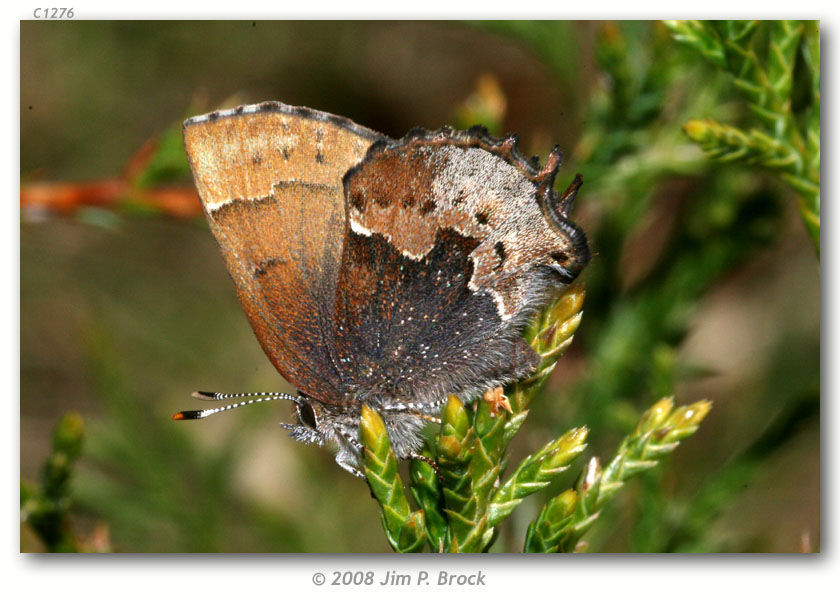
[270, 181]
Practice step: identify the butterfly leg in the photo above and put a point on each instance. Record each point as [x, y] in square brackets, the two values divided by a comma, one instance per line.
[344, 461]
[425, 459]
[349, 454]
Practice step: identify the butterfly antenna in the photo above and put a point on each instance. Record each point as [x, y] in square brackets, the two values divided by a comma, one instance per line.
[253, 398]
[221, 396]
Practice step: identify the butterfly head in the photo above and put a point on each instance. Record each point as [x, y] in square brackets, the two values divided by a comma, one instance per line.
[312, 423]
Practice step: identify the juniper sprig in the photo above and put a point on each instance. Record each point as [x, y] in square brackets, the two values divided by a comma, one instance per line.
[462, 504]
[761, 60]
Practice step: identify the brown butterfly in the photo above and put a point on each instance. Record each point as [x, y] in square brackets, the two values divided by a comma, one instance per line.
[377, 271]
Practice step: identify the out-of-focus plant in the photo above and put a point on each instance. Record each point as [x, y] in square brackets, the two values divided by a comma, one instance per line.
[761, 58]
[133, 481]
[46, 507]
[464, 494]
[145, 185]
[486, 105]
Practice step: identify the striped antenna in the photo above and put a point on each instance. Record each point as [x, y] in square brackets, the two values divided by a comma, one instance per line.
[253, 398]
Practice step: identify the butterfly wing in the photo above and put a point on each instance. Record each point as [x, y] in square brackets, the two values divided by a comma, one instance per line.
[455, 241]
[270, 181]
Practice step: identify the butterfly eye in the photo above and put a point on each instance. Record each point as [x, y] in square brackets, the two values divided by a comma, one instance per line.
[306, 415]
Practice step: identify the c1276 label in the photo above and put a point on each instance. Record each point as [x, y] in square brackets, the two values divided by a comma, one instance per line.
[54, 13]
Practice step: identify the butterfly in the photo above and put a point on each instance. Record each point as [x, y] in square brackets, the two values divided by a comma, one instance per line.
[377, 271]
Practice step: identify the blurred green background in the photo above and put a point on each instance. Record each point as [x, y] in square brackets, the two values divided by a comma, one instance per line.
[703, 282]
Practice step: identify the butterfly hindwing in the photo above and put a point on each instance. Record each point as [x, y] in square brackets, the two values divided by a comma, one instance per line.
[454, 241]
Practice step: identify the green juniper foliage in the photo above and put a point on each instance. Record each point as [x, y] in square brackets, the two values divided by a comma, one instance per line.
[471, 495]
[565, 518]
[761, 59]
[46, 507]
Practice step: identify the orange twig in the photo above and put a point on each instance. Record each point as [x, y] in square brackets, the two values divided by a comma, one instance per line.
[64, 199]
